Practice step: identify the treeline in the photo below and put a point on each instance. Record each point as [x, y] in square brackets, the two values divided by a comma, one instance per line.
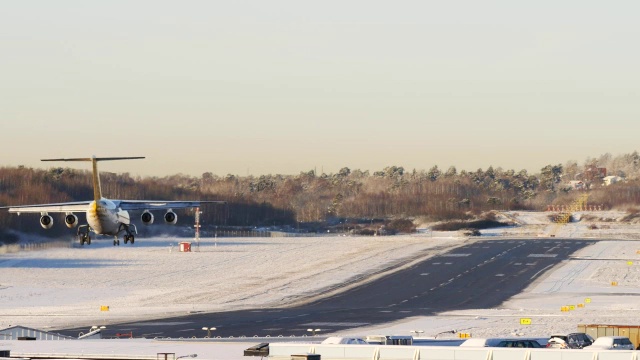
[391, 193]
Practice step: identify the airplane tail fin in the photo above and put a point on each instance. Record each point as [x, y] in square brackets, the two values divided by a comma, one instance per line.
[97, 190]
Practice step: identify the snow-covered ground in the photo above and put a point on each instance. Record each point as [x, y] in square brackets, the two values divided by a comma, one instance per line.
[61, 287]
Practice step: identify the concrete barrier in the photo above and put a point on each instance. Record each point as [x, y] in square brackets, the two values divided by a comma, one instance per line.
[281, 351]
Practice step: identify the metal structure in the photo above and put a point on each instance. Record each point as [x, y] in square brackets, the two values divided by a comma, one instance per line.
[564, 217]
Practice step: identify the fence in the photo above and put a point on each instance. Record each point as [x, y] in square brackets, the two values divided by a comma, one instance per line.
[250, 233]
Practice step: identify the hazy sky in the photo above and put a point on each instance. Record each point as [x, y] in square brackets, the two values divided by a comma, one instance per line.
[257, 87]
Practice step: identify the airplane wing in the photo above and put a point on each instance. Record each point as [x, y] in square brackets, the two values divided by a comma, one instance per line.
[160, 205]
[76, 206]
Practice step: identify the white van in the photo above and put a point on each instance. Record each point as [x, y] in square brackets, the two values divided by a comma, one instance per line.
[389, 339]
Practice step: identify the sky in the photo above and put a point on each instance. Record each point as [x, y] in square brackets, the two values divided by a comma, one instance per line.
[254, 87]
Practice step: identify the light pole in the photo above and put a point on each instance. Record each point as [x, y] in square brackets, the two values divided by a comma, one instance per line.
[313, 331]
[208, 330]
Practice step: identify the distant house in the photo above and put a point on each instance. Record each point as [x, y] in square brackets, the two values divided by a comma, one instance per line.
[25, 333]
[608, 180]
[577, 185]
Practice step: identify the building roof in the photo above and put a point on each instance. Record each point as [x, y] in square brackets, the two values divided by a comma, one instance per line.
[21, 332]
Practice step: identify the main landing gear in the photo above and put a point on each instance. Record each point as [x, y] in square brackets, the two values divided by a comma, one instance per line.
[83, 235]
[128, 237]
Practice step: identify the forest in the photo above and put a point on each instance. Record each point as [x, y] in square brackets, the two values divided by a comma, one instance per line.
[309, 201]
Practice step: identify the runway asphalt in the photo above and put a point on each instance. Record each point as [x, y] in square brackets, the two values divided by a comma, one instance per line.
[480, 275]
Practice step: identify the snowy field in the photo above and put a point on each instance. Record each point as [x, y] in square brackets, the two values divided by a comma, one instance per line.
[61, 287]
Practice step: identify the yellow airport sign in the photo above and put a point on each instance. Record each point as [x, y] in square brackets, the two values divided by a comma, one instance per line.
[464, 335]
[572, 307]
[580, 305]
[104, 308]
[564, 309]
[525, 321]
[629, 263]
[587, 300]
[614, 283]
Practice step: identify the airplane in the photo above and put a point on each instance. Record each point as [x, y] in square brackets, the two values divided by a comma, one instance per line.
[105, 216]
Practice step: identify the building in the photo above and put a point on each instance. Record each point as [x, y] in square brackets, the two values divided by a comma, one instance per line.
[608, 180]
[577, 185]
[25, 333]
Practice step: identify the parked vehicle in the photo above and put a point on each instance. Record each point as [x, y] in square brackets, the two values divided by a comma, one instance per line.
[502, 342]
[557, 343]
[571, 340]
[611, 343]
[389, 340]
[519, 343]
[344, 340]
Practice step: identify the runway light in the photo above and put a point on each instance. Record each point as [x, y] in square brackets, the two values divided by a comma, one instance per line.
[208, 330]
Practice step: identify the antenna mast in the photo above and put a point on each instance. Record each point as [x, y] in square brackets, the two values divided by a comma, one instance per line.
[197, 226]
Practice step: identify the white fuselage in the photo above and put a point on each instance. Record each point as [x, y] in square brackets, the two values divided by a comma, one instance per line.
[105, 218]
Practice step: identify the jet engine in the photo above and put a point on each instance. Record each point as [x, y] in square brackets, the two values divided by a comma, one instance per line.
[147, 218]
[70, 220]
[46, 221]
[170, 217]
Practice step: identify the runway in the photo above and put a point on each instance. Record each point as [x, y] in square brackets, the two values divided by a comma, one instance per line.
[480, 275]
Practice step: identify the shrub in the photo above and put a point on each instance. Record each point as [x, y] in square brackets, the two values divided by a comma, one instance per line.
[477, 224]
[400, 226]
[472, 232]
[365, 232]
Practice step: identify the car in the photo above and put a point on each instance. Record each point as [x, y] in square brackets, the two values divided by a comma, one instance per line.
[557, 343]
[576, 340]
[502, 342]
[611, 343]
[519, 343]
[344, 340]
